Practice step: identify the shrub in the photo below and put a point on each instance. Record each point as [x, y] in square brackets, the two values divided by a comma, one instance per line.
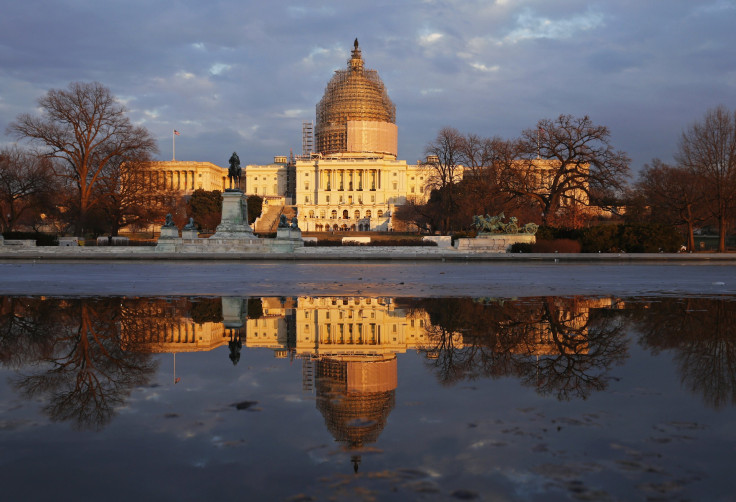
[41, 239]
[556, 246]
[603, 239]
[649, 238]
[551, 233]
[521, 247]
[635, 238]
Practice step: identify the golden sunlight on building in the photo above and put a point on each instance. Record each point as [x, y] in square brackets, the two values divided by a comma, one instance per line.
[164, 327]
[186, 177]
[353, 181]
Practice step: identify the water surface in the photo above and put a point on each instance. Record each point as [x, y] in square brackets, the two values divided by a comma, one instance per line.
[367, 398]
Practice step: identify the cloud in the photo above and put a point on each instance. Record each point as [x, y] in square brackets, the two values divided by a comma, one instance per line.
[430, 38]
[484, 68]
[531, 26]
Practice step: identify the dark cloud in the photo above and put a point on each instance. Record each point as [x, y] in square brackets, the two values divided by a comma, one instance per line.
[243, 75]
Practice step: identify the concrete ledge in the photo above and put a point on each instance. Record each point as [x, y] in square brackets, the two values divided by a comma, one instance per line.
[191, 251]
[25, 243]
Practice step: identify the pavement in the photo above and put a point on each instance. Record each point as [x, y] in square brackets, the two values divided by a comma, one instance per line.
[301, 277]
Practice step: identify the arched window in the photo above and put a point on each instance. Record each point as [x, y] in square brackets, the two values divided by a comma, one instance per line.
[380, 213]
[352, 227]
[334, 227]
[345, 214]
[334, 214]
[357, 214]
[368, 214]
[311, 214]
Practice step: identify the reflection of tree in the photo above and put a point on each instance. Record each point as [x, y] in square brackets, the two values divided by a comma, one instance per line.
[558, 345]
[702, 334]
[83, 373]
[24, 326]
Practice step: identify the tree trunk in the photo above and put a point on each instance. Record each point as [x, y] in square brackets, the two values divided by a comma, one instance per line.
[721, 234]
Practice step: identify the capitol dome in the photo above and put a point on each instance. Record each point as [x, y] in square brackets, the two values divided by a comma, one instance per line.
[355, 114]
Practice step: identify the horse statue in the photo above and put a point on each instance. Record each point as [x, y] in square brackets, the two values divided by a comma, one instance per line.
[234, 172]
[494, 225]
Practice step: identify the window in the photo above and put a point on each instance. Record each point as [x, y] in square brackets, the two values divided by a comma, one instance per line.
[380, 213]
[368, 214]
[327, 199]
[357, 215]
[334, 214]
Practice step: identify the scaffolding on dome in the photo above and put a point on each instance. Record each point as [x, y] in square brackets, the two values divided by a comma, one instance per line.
[353, 94]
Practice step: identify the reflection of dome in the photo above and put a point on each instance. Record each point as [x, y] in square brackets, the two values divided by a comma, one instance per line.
[355, 113]
[355, 398]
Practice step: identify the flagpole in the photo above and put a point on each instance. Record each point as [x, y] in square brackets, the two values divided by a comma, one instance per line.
[173, 142]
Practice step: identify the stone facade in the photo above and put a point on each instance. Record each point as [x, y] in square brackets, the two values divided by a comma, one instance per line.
[186, 177]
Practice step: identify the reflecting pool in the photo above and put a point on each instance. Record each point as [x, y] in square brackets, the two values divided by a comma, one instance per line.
[367, 398]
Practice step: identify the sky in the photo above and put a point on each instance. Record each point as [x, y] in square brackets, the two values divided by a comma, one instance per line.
[243, 75]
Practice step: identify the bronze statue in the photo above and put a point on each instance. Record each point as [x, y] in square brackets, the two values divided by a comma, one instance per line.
[233, 173]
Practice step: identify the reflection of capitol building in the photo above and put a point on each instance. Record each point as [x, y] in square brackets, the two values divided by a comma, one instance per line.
[337, 327]
[152, 325]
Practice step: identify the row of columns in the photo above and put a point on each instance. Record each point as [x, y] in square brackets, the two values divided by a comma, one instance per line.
[350, 179]
[173, 180]
[354, 334]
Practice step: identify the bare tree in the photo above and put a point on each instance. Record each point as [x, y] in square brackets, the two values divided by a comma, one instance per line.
[708, 149]
[566, 161]
[444, 168]
[84, 128]
[674, 194]
[25, 179]
[127, 198]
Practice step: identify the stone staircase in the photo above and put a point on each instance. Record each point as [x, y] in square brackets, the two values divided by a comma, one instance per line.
[268, 222]
[268, 219]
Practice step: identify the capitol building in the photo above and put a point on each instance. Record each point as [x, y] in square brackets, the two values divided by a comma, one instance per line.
[348, 177]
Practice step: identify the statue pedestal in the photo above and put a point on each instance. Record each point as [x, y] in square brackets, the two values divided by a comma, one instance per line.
[232, 312]
[234, 222]
[289, 233]
[189, 234]
[169, 233]
[168, 239]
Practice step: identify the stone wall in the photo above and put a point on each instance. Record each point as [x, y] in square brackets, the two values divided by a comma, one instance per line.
[493, 243]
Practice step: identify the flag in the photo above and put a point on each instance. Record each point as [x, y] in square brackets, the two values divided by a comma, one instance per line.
[177, 380]
[176, 132]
